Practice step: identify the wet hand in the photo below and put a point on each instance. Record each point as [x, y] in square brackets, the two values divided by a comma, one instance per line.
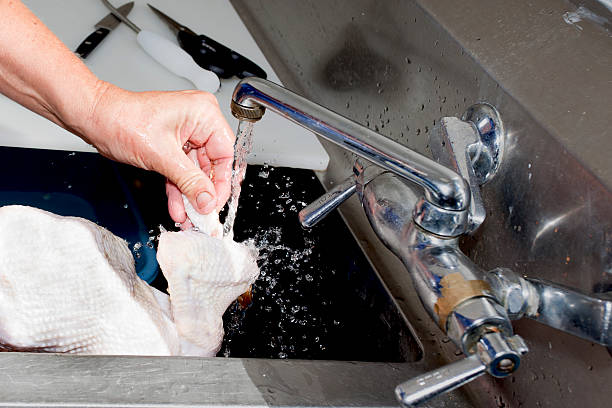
[181, 135]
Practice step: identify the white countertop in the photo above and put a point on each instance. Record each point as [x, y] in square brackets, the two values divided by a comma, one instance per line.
[119, 59]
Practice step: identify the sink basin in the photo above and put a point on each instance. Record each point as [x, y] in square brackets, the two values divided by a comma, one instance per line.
[322, 329]
[317, 297]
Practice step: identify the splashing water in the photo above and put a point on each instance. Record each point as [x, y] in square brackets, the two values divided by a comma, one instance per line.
[289, 277]
[316, 291]
[242, 147]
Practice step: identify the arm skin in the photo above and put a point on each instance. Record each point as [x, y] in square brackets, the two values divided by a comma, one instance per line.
[147, 129]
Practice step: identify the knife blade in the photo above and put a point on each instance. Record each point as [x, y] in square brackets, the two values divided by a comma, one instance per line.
[103, 27]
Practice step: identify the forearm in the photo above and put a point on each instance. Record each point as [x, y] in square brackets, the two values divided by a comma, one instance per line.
[148, 129]
[40, 73]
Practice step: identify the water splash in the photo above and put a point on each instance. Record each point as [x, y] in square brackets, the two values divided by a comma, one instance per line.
[283, 293]
[242, 147]
[290, 276]
[315, 292]
[151, 242]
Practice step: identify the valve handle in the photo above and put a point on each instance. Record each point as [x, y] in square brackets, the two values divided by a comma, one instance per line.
[495, 353]
[328, 202]
[440, 381]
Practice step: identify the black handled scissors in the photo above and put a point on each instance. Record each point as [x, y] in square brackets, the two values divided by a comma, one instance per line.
[210, 54]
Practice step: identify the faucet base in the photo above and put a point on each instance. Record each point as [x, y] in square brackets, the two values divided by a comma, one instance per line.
[486, 156]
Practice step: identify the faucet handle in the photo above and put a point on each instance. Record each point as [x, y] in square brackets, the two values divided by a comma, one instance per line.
[317, 210]
[445, 379]
[450, 142]
[473, 147]
[494, 353]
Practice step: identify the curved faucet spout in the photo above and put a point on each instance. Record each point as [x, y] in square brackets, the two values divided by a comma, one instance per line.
[443, 187]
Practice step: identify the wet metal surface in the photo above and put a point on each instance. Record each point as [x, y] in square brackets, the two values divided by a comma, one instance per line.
[397, 67]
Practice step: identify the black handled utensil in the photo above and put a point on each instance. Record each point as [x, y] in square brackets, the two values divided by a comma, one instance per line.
[103, 27]
[210, 54]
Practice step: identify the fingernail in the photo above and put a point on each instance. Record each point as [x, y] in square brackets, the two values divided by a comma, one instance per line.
[205, 201]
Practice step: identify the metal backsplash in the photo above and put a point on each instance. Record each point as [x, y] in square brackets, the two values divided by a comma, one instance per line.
[398, 66]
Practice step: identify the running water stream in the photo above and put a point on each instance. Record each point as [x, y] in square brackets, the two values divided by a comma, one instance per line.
[242, 147]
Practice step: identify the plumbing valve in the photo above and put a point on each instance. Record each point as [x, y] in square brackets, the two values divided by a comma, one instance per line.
[496, 354]
[420, 218]
[454, 291]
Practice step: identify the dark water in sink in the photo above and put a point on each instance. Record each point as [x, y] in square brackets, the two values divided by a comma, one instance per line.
[317, 296]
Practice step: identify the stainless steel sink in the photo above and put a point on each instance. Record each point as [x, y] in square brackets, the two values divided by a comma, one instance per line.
[322, 329]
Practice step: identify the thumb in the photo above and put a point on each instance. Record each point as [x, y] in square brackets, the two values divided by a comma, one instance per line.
[191, 181]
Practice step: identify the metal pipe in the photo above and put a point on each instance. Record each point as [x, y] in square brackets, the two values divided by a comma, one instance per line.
[443, 187]
[586, 316]
[573, 312]
[451, 288]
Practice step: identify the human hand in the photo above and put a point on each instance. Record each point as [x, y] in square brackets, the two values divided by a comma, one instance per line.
[156, 130]
[147, 129]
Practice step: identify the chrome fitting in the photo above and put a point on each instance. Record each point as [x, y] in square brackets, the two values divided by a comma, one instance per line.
[438, 221]
[486, 155]
[501, 355]
[472, 319]
[514, 293]
[248, 113]
[496, 354]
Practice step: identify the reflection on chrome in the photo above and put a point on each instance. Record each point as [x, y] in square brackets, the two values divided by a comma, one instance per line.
[419, 209]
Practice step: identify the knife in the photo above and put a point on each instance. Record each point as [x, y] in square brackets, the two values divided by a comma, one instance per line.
[210, 54]
[170, 55]
[103, 27]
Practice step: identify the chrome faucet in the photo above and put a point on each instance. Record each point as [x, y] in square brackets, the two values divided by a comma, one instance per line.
[451, 287]
[447, 195]
[419, 208]
[477, 323]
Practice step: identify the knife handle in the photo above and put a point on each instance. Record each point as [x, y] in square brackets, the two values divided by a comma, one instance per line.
[214, 56]
[91, 42]
[207, 53]
[172, 57]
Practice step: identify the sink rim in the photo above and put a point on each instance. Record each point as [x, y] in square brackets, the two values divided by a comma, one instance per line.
[51, 380]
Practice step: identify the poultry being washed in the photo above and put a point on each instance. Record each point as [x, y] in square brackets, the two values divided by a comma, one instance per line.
[68, 285]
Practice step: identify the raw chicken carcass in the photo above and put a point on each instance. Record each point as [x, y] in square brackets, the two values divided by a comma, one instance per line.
[68, 285]
[200, 299]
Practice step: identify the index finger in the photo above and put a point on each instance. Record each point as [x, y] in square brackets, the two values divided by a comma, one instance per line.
[222, 179]
[215, 151]
[218, 153]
